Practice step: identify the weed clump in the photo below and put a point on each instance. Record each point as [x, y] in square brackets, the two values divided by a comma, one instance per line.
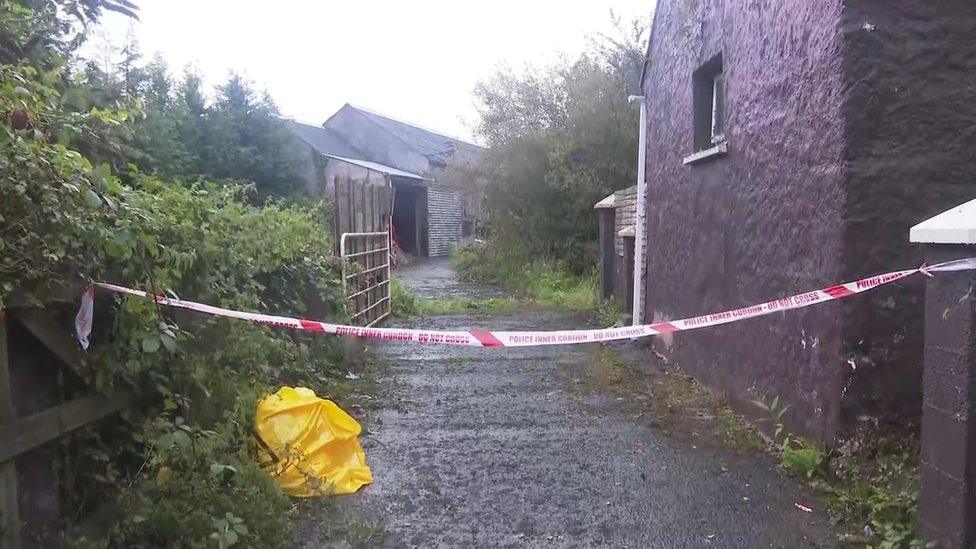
[869, 483]
[545, 282]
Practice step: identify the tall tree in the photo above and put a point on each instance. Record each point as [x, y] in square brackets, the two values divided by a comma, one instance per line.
[249, 140]
[561, 139]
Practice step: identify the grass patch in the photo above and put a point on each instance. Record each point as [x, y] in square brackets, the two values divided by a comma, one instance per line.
[871, 485]
[408, 303]
[542, 282]
[462, 305]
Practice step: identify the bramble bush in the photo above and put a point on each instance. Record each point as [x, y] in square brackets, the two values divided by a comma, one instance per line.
[179, 464]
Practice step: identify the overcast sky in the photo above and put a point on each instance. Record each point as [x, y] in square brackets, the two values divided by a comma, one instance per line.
[414, 60]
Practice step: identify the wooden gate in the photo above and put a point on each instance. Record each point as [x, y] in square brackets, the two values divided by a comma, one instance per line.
[366, 275]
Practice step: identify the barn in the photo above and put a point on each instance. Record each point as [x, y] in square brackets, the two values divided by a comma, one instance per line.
[386, 174]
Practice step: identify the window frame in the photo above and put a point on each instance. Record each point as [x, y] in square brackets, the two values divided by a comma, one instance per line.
[708, 111]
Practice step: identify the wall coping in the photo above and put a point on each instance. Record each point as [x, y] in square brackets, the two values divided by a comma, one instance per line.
[607, 202]
[953, 226]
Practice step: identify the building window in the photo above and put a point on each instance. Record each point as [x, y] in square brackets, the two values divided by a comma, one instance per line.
[709, 105]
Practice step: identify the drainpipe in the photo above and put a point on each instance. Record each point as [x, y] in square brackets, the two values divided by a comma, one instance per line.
[641, 200]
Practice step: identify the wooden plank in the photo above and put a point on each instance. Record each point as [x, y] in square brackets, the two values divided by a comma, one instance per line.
[26, 433]
[342, 206]
[350, 208]
[9, 510]
[53, 292]
[47, 331]
[367, 208]
[357, 207]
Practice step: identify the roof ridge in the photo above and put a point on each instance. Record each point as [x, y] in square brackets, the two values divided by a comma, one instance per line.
[411, 124]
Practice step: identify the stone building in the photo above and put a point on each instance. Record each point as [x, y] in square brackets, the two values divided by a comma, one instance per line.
[435, 205]
[791, 144]
[618, 222]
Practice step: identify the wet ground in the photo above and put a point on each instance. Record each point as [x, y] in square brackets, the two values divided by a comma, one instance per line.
[550, 446]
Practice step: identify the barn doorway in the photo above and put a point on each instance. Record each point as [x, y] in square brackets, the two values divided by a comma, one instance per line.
[410, 218]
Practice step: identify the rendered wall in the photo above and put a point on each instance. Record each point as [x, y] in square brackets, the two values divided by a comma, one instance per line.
[764, 220]
[910, 68]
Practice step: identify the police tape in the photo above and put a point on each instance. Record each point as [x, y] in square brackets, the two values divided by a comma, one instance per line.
[475, 338]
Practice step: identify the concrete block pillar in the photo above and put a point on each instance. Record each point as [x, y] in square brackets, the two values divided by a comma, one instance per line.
[947, 512]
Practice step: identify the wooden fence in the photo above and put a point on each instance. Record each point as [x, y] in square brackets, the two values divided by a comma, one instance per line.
[22, 433]
[361, 207]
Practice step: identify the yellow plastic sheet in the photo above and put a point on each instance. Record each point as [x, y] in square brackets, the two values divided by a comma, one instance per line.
[310, 445]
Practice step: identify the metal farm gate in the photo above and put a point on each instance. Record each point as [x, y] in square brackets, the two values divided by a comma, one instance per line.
[362, 228]
[366, 275]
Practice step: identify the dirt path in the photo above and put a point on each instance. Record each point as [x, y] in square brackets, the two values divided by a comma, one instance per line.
[551, 446]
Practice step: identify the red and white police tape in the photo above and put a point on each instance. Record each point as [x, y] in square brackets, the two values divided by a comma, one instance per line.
[473, 338]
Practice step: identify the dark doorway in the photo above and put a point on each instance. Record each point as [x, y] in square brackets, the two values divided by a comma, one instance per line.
[409, 217]
[627, 277]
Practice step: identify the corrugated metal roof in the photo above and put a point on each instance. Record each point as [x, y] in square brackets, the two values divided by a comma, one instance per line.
[324, 140]
[438, 148]
[377, 167]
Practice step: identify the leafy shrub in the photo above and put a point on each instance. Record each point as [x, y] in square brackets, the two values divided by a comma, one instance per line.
[179, 462]
[869, 483]
[404, 300]
[872, 484]
[609, 313]
[207, 372]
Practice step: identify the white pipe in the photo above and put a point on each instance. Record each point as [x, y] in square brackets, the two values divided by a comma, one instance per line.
[641, 203]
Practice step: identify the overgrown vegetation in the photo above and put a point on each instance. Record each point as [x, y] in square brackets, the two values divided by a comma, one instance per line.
[407, 303]
[869, 483]
[559, 139]
[102, 181]
[540, 281]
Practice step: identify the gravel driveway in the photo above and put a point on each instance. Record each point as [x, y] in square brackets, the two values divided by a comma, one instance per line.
[549, 446]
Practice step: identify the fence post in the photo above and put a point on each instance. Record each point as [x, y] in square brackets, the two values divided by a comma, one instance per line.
[9, 511]
[947, 511]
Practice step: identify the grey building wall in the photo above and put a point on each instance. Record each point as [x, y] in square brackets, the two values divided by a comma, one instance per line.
[444, 206]
[625, 215]
[847, 122]
[910, 74]
[763, 221]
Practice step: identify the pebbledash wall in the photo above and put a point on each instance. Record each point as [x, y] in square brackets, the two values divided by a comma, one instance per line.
[846, 123]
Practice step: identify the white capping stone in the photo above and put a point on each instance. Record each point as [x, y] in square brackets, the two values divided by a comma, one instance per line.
[607, 202]
[629, 230]
[954, 226]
